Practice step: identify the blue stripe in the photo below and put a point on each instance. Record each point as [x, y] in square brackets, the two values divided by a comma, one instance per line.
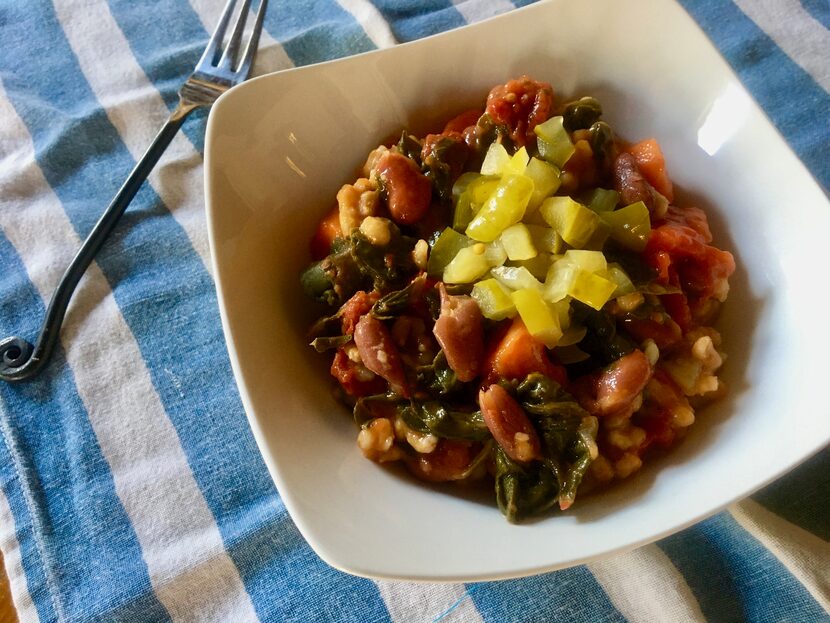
[413, 19]
[819, 9]
[791, 98]
[803, 495]
[177, 329]
[167, 42]
[734, 578]
[290, 581]
[571, 595]
[321, 31]
[69, 485]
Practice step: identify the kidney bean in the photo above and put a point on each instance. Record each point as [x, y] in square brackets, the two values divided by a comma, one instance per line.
[460, 332]
[509, 424]
[621, 382]
[378, 352]
[630, 183]
[409, 192]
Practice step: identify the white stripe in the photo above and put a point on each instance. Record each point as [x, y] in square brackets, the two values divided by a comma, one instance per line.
[370, 19]
[804, 554]
[409, 602]
[191, 572]
[137, 111]
[477, 10]
[23, 604]
[270, 57]
[803, 38]
[645, 586]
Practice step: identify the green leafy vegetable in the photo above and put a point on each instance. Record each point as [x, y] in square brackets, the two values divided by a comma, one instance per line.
[524, 490]
[601, 341]
[387, 265]
[435, 417]
[324, 343]
[543, 397]
[444, 160]
[410, 147]
[438, 376]
[396, 302]
[355, 263]
[368, 408]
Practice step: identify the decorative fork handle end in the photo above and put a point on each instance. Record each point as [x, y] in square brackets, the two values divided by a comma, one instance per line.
[17, 360]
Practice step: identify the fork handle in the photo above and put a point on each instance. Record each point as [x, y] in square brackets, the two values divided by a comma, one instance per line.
[19, 360]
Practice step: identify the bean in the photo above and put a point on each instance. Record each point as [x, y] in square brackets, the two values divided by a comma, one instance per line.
[509, 424]
[408, 191]
[379, 354]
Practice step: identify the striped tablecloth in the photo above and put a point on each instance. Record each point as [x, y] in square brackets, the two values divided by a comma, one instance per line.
[130, 486]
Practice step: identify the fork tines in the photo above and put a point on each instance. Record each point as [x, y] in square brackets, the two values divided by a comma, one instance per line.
[227, 59]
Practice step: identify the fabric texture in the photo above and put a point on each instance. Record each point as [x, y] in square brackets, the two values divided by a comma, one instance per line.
[131, 488]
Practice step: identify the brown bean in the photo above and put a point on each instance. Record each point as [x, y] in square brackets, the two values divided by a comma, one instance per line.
[378, 352]
[409, 192]
[460, 332]
[630, 183]
[509, 424]
[621, 382]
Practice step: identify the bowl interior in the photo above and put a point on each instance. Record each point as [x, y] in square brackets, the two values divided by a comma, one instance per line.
[280, 146]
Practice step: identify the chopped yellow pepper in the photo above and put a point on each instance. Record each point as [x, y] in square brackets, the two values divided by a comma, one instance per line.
[541, 321]
[502, 209]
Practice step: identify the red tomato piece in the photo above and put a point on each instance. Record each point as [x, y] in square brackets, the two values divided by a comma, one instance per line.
[652, 165]
[521, 105]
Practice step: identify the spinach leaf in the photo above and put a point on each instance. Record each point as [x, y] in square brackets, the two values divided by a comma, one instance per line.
[329, 342]
[410, 147]
[367, 408]
[601, 341]
[435, 417]
[524, 490]
[540, 395]
[443, 161]
[396, 302]
[388, 265]
[438, 377]
[327, 326]
[357, 264]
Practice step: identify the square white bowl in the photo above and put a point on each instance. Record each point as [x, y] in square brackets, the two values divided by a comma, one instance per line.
[280, 146]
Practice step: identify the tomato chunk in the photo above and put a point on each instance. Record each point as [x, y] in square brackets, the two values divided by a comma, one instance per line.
[521, 105]
[683, 239]
[652, 165]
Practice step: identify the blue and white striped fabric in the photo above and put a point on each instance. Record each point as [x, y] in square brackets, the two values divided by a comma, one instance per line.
[130, 486]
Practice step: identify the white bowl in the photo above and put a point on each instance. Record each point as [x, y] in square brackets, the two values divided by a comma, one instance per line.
[278, 149]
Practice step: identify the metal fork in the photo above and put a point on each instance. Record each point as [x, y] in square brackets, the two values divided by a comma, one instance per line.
[218, 70]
